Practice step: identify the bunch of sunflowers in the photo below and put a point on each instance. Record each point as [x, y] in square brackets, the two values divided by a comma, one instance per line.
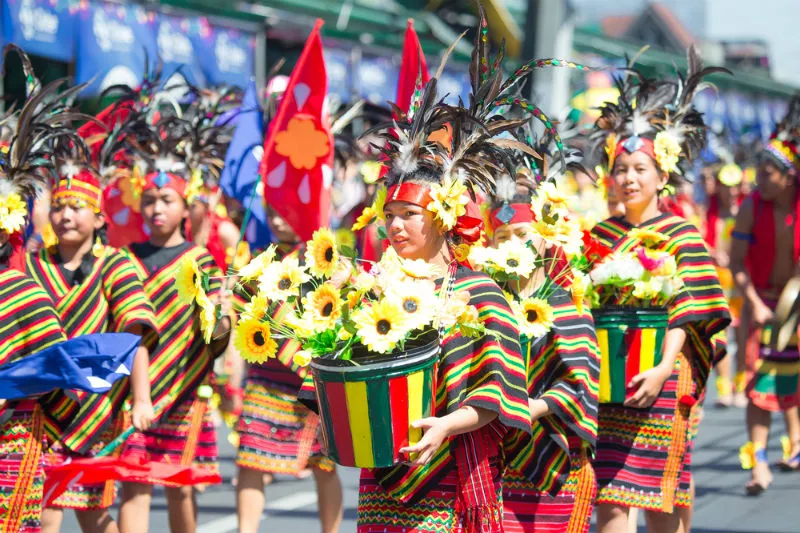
[331, 304]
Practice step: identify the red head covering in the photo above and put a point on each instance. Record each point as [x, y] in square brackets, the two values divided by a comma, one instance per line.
[81, 189]
[511, 214]
[161, 180]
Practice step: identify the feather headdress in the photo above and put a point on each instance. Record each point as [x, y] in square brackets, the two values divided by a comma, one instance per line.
[784, 146]
[655, 116]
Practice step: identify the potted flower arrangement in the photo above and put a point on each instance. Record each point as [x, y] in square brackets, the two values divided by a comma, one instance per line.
[370, 335]
[629, 292]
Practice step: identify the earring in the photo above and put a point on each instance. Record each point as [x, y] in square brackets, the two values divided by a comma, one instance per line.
[98, 248]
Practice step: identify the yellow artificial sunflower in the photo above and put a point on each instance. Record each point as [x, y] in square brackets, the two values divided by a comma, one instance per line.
[366, 218]
[257, 265]
[579, 287]
[417, 300]
[364, 282]
[353, 298]
[321, 254]
[188, 280]
[534, 316]
[648, 237]
[302, 358]
[549, 200]
[253, 339]
[345, 237]
[514, 259]
[240, 258]
[455, 306]
[280, 281]
[448, 202]
[12, 212]
[379, 202]
[381, 325]
[419, 269]
[256, 308]
[373, 212]
[667, 150]
[208, 316]
[323, 307]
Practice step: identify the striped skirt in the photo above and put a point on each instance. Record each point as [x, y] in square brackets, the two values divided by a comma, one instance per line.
[527, 510]
[186, 436]
[378, 512]
[21, 469]
[644, 455]
[85, 497]
[277, 434]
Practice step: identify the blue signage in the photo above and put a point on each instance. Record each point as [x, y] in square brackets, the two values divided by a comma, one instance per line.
[227, 55]
[337, 66]
[40, 28]
[377, 79]
[177, 51]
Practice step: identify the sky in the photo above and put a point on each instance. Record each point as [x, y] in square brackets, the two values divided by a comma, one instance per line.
[777, 22]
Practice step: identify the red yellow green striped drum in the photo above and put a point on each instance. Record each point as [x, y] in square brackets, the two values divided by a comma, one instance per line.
[777, 370]
[630, 341]
[366, 409]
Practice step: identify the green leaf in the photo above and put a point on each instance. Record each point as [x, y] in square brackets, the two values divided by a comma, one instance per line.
[382, 233]
[348, 252]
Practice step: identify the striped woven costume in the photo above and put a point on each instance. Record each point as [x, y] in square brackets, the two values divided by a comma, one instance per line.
[644, 455]
[550, 484]
[28, 324]
[487, 373]
[110, 298]
[180, 364]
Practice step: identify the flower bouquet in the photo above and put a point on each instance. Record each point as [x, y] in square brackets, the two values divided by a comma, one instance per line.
[629, 292]
[370, 336]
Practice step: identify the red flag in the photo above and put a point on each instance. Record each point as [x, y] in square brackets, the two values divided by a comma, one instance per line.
[297, 168]
[412, 68]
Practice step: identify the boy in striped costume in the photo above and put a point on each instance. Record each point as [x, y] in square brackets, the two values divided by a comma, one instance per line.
[550, 485]
[96, 290]
[764, 257]
[644, 445]
[191, 337]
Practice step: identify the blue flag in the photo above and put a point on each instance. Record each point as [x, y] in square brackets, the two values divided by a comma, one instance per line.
[90, 363]
[240, 179]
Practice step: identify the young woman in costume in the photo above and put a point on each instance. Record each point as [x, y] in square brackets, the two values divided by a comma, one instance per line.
[278, 434]
[550, 484]
[191, 336]
[96, 289]
[647, 138]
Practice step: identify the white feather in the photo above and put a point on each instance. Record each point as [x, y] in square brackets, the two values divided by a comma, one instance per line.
[7, 188]
[69, 169]
[639, 124]
[506, 187]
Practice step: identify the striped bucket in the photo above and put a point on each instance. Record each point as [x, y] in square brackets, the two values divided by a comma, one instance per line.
[777, 371]
[366, 409]
[631, 341]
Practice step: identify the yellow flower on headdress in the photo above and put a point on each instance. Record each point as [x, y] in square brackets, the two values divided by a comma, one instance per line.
[648, 237]
[195, 186]
[281, 281]
[668, 151]
[321, 254]
[208, 316]
[381, 325]
[12, 213]
[448, 202]
[548, 200]
[611, 149]
[534, 317]
[323, 307]
[188, 281]
[257, 265]
[253, 339]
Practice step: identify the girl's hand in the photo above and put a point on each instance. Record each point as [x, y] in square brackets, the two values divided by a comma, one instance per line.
[436, 431]
[142, 415]
[649, 385]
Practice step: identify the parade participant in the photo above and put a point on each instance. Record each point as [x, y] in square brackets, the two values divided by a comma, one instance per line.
[764, 257]
[96, 289]
[209, 229]
[191, 336]
[721, 183]
[28, 321]
[452, 479]
[648, 138]
[550, 485]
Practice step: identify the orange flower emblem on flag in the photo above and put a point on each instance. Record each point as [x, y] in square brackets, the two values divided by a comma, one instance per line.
[302, 143]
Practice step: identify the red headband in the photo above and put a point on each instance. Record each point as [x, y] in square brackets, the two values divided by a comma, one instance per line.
[522, 213]
[162, 180]
[636, 144]
[82, 187]
[412, 193]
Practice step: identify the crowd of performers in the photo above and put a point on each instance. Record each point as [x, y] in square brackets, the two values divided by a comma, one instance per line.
[518, 441]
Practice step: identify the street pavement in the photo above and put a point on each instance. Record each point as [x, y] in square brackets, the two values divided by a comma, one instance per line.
[721, 506]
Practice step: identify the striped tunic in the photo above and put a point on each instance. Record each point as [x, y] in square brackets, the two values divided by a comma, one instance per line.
[28, 324]
[487, 373]
[563, 370]
[644, 455]
[184, 433]
[111, 298]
